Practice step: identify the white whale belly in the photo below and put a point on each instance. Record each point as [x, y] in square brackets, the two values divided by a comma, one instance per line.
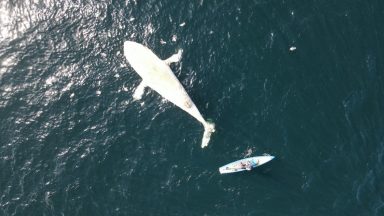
[158, 75]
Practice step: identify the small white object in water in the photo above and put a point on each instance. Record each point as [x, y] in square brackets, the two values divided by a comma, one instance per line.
[98, 92]
[292, 48]
[174, 38]
[182, 24]
[50, 80]
[162, 41]
[248, 153]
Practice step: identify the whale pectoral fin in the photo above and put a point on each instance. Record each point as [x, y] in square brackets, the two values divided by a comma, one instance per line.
[137, 95]
[174, 58]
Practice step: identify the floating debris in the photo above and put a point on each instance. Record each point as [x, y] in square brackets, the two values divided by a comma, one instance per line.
[182, 24]
[174, 38]
[162, 41]
[292, 48]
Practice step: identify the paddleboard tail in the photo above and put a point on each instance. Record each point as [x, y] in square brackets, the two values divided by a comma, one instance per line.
[209, 128]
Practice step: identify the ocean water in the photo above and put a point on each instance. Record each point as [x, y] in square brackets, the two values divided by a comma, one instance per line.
[301, 80]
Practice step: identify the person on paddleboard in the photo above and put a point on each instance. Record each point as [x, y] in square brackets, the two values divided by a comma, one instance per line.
[247, 165]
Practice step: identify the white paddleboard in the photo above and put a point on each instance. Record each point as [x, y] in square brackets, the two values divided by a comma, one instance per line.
[245, 164]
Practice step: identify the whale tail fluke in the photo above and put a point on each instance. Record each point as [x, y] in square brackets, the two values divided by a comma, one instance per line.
[174, 58]
[209, 128]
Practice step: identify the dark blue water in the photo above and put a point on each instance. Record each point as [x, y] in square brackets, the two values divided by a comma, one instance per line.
[73, 141]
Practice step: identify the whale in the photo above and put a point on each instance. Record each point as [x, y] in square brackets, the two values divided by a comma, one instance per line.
[157, 75]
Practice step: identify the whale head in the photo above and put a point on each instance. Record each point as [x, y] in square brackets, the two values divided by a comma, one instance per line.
[130, 48]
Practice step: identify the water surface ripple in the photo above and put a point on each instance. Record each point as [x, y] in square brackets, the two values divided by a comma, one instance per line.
[73, 142]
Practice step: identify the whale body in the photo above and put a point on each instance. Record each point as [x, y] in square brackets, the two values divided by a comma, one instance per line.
[157, 75]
